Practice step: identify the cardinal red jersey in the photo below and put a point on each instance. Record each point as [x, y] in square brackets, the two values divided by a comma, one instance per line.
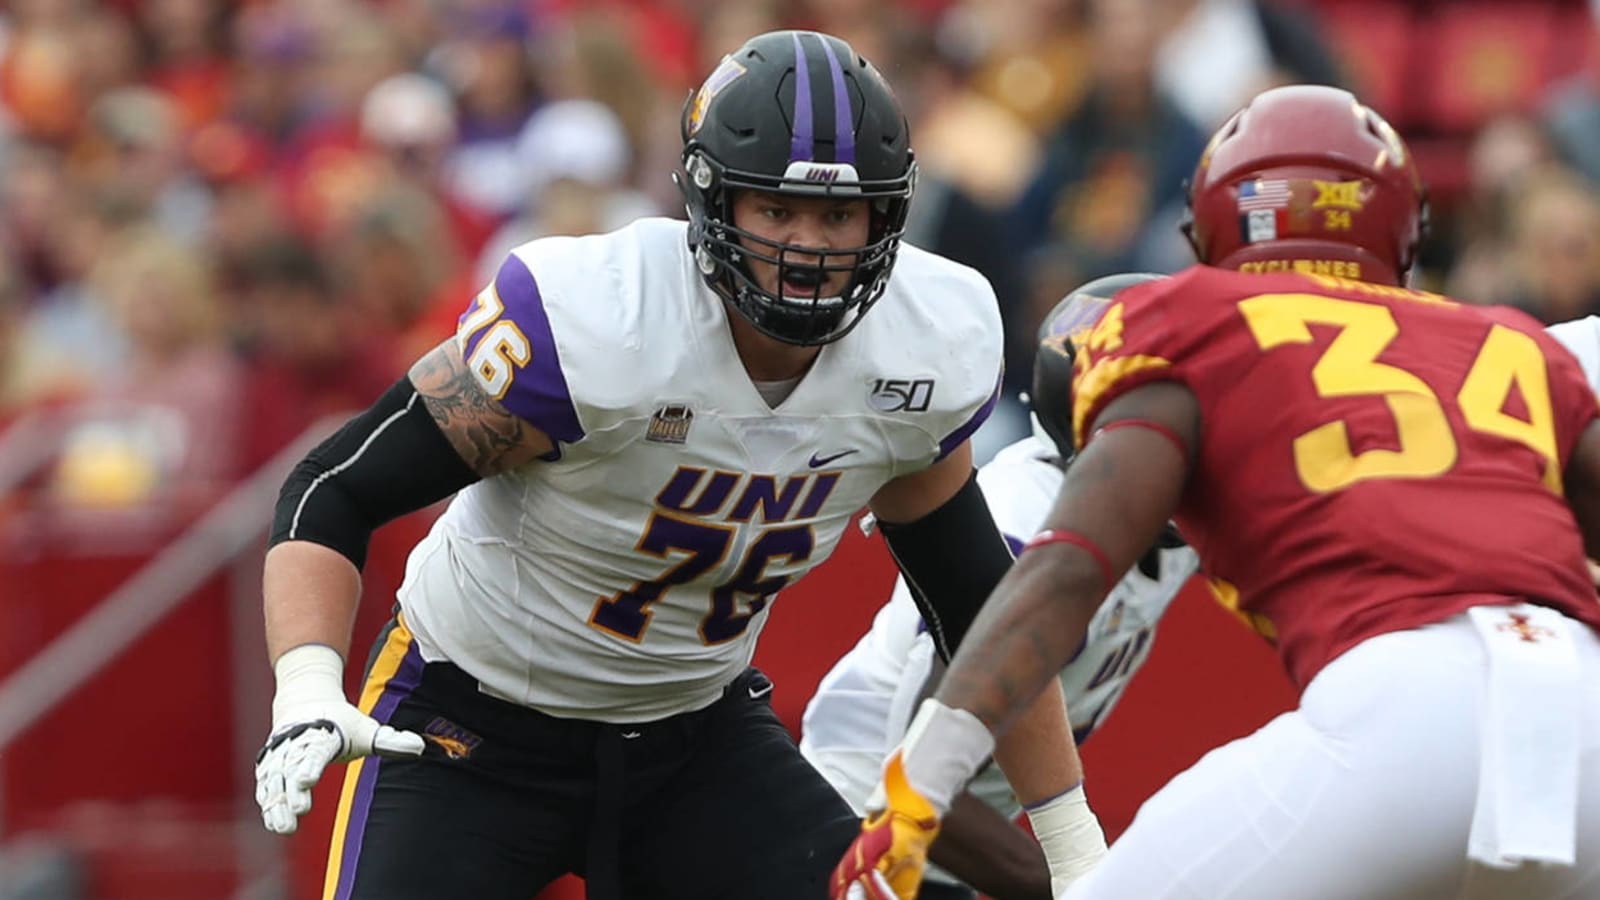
[1371, 458]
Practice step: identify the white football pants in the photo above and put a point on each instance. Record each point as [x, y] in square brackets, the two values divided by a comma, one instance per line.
[1366, 792]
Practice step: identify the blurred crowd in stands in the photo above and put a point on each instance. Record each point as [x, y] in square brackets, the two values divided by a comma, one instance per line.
[221, 221]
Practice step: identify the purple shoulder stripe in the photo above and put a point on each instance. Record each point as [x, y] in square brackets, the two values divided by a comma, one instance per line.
[957, 437]
[538, 390]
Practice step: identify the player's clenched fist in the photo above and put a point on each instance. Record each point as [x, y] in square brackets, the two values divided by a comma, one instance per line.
[314, 725]
[887, 858]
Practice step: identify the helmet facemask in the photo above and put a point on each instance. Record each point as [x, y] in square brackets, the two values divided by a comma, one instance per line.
[723, 251]
[798, 114]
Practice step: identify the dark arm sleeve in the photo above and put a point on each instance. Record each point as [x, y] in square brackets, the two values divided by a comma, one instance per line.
[952, 558]
[389, 460]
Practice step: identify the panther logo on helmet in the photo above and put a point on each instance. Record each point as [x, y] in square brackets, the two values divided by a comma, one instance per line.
[802, 113]
[1307, 178]
[725, 74]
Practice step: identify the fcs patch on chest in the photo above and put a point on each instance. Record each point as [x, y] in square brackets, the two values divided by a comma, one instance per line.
[670, 424]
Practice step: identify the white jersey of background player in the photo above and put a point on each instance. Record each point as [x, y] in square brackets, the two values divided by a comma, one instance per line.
[675, 473]
[863, 705]
[1582, 337]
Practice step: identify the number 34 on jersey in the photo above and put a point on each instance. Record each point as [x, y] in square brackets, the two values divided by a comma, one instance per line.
[1508, 361]
[1400, 385]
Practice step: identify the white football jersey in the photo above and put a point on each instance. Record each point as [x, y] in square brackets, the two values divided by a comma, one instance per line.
[627, 578]
[1582, 337]
[864, 704]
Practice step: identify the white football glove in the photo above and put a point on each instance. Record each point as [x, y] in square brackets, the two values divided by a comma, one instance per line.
[1070, 835]
[314, 725]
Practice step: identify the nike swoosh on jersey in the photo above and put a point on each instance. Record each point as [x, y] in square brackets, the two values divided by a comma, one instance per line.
[819, 461]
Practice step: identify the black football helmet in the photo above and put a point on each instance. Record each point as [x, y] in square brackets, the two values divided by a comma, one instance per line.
[1053, 362]
[1056, 352]
[795, 112]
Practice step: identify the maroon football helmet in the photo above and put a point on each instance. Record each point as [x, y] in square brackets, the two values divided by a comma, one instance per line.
[1307, 178]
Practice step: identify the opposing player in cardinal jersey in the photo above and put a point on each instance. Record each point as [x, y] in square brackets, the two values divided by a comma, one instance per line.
[1394, 489]
[864, 703]
[653, 432]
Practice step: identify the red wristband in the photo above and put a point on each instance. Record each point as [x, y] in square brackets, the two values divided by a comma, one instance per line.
[1157, 427]
[1072, 537]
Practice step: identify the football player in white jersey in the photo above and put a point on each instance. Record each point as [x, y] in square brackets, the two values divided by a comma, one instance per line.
[1582, 337]
[652, 432]
[863, 705]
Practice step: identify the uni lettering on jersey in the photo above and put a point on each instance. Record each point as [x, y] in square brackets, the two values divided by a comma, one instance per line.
[742, 497]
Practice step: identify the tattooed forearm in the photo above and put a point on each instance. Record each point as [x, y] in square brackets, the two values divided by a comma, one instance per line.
[489, 438]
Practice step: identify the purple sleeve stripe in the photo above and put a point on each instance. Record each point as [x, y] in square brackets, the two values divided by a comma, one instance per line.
[538, 390]
[960, 435]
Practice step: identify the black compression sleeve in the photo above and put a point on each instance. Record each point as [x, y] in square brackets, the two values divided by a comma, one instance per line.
[385, 462]
[951, 558]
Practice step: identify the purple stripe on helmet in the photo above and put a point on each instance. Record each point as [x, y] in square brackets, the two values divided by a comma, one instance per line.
[954, 439]
[538, 391]
[399, 686]
[844, 132]
[801, 145]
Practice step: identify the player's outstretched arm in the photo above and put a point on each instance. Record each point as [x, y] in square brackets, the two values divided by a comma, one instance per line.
[431, 434]
[981, 846]
[989, 852]
[939, 529]
[1039, 756]
[1114, 503]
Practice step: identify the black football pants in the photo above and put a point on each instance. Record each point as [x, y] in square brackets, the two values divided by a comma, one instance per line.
[716, 803]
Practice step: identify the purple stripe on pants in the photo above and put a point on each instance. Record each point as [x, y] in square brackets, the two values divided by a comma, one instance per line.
[397, 688]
